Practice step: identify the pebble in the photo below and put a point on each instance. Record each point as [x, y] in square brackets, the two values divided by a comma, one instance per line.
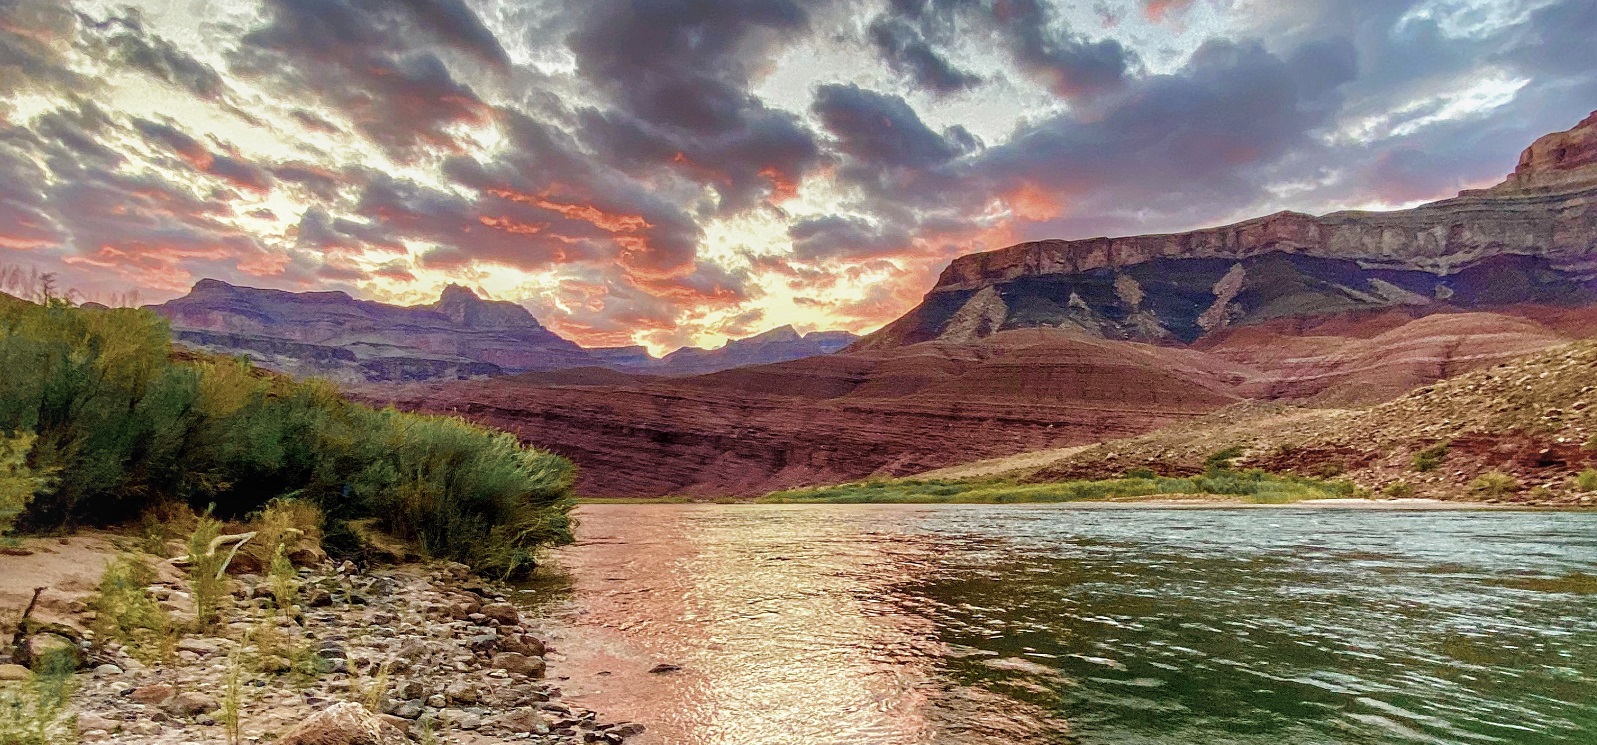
[453, 653]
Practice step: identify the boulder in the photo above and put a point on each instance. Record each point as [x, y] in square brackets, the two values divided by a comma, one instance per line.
[505, 613]
[344, 724]
[191, 703]
[515, 662]
[37, 650]
[11, 673]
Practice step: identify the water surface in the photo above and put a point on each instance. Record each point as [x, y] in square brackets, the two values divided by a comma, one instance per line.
[1057, 624]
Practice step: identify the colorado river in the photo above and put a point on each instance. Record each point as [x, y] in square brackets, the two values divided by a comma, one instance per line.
[808, 625]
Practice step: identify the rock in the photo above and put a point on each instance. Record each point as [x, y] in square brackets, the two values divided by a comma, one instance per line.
[664, 667]
[38, 650]
[523, 720]
[627, 729]
[154, 693]
[107, 669]
[515, 662]
[505, 613]
[407, 709]
[10, 673]
[522, 644]
[198, 646]
[461, 692]
[191, 703]
[89, 722]
[344, 724]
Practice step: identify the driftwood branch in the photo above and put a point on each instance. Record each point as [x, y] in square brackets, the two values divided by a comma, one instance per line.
[238, 540]
[22, 622]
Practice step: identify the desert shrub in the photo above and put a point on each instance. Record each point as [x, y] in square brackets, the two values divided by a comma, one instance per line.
[124, 611]
[1220, 460]
[1141, 473]
[463, 492]
[1494, 484]
[1586, 480]
[36, 711]
[1399, 489]
[18, 482]
[205, 566]
[1431, 457]
[125, 428]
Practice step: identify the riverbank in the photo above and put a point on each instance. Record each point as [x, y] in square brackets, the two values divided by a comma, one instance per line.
[424, 653]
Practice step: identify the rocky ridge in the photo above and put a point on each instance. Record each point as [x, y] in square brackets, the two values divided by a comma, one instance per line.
[1531, 239]
[459, 337]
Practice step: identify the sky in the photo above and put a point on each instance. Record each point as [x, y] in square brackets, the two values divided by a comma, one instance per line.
[675, 172]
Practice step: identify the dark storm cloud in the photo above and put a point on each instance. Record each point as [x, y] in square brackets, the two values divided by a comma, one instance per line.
[883, 129]
[678, 76]
[908, 53]
[375, 63]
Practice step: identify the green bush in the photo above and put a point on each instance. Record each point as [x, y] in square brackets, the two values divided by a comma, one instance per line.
[1494, 484]
[1399, 489]
[1221, 460]
[1431, 457]
[121, 427]
[18, 482]
[1586, 480]
[1252, 485]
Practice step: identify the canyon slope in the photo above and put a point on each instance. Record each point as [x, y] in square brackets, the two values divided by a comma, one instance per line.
[1528, 240]
[1061, 343]
[461, 336]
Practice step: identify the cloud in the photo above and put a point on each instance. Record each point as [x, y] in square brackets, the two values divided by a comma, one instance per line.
[678, 76]
[832, 236]
[908, 53]
[879, 128]
[377, 64]
[239, 173]
[129, 42]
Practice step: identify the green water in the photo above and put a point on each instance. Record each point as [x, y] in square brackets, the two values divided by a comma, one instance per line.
[994, 624]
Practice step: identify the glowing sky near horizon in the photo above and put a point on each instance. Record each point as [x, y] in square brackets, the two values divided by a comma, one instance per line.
[686, 171]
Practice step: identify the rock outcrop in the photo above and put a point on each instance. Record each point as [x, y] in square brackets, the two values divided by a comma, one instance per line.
[777, 345]
[1531, 239]
[332, 334]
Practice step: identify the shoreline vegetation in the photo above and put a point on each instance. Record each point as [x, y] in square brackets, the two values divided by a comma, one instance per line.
[1249, 487]
[103, 423]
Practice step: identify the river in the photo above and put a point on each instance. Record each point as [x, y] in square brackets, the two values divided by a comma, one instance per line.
[812, 625]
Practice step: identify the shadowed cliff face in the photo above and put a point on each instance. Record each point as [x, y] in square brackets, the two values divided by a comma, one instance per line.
[1531, 239]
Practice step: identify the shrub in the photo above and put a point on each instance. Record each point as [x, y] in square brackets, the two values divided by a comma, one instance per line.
[18, 482]
[125, 612]
[1586, 480]
[205, 567]
[1431, 457]
[1220, 460]
[123, 428]
[35, 711]
[1399, 489]
[1141, 473]
[1494, 484]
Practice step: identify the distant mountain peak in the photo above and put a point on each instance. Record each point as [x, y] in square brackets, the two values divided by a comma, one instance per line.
[463, 306]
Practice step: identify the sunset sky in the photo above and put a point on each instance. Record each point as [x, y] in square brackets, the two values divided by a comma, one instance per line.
[673, 172]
